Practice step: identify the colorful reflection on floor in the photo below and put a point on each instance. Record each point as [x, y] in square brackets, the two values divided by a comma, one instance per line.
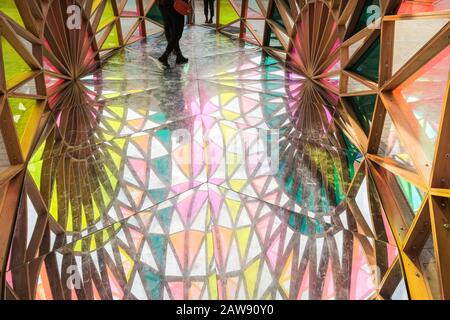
[151, 184]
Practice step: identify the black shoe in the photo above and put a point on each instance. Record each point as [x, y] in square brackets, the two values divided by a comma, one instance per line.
[181, 59]
[210, 21]
[206, 20]
[164, 60]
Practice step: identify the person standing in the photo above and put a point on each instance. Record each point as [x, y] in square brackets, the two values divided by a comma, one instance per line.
[173, 30]
[208, 4]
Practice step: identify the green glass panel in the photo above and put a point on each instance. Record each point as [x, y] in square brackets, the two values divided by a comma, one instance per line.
[107, 16]
[159, 195]
[286, 2]
[159, 245]
[21, 110]
[299, 197]
[112, 40]
[304, 226]
[275, 16]
[325, 206]
[165, 216]
[340, 196]
[352, 153]
[9, 8]
[35, 169]
[368, 15]
[227, 12]
[164, 136]
[273, 40]
[281, 168]
[269, 60]
[311, 200]
[368, 63]
[13, 62]
[160, 117]
[153, 282]
[162, 167]
[413, 195]
[155, 15]
[292, 220]
[319, 227]
[363, 107]
[289, 184]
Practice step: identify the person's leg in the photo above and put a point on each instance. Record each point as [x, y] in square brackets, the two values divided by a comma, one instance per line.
[211, 6]
[169, 33]
[178, 33]
[176, 24]
[166, 22]
[205, 9]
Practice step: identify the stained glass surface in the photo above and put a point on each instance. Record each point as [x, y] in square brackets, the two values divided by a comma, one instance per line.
[155, 184]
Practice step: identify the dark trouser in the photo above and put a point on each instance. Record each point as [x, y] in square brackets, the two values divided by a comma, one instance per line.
[209, 3]
[173, 27]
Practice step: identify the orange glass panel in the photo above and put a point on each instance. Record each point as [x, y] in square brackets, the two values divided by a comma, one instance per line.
[416, 6]
[424, 94]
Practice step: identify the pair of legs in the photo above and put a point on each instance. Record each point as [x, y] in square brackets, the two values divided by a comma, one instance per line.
[173, 30]
[209, 4]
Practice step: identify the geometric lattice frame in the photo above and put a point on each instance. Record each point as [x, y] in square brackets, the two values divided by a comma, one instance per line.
[385, 70]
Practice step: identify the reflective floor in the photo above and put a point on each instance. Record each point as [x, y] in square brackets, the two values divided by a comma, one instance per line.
[217, 179]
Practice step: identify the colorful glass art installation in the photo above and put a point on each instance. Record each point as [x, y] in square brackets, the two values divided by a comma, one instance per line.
[301, 154]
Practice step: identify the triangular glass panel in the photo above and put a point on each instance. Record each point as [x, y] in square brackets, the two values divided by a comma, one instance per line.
[265, 5]
[112, 40]
[4, 159]
[353, 156]
[145, 4]
[392, 147]
[413, 194]
[429, 267]
[152, 28]
[406, 40]
[27, 88]
[237, 5]
[107, 16]
[254, 11]
[400, 292]
[363, 107]
[331, 81]
[9, 8]
[130, 9]
[15, 66]
[276, 16]
[95, 5]
[258, 27]
[354, 86]
[367, 15]
[155, 15]
[136, 35]
[273, 40]
[21, 110]
[363, 202]
[424, 94]
[227, 12]
[367, 64]
[128, 26]
[248, 35]
[355, 46]
[408, 7]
